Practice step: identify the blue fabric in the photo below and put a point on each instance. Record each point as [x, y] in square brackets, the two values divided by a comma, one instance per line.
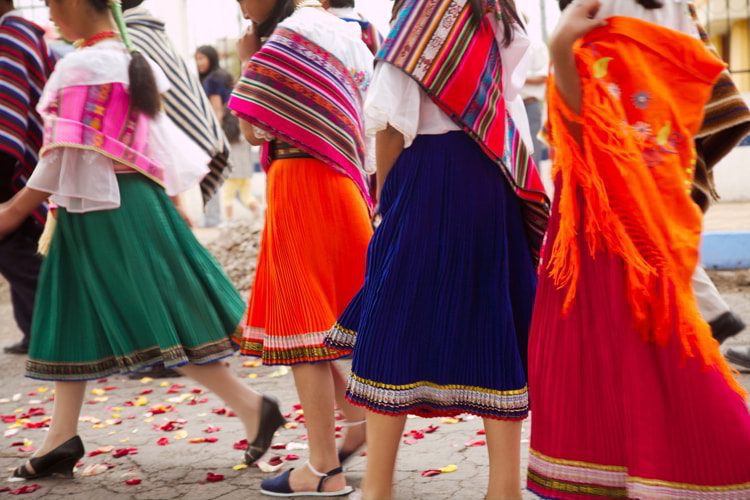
[450, 282]
[216, 84]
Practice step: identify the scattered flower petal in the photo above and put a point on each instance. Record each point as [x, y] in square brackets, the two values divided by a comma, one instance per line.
[214, 478]
[180, 435]
[449, 468]
[240, 445]
[475, 442]
[267, 467]
[240, 467]
[430, 473]
[133, 482]
[162, 441]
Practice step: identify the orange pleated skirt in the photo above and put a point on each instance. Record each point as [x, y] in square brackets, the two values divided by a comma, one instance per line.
[311, 263]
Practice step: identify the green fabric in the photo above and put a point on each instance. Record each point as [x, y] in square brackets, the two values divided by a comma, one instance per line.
[122, 289]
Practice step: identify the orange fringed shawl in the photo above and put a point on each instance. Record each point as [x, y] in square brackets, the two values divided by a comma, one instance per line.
[643, 94]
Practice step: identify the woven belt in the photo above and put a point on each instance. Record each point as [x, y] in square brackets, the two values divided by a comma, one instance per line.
[281, 150]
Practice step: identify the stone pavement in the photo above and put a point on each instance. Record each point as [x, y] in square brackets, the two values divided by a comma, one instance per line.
[123, 417]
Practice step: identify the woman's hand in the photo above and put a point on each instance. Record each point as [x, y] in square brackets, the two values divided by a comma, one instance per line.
[248, 44]
[575, 22]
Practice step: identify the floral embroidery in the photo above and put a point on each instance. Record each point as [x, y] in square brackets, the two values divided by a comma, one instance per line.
[614, 89]
[641, 99]
[361, 78]
[643, 130]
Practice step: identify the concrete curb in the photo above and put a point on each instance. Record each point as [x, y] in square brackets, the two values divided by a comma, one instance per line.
[726, 250]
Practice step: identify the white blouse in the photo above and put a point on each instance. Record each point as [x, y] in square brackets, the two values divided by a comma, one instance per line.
[674, 14]
[85, 181]
[397, 99]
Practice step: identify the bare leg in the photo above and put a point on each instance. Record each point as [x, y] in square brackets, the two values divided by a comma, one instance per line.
[315, 389]
[65, 413]
[221, 380]
[383, 437]
[355, 432]
[504, 448]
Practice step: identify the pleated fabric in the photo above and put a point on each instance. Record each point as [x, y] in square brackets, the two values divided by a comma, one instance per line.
[311, 262]
[127, 288]
[617, 416]
[440, 326]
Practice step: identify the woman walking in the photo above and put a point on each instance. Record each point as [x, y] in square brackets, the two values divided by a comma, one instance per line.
[440, 326]
[125, 284]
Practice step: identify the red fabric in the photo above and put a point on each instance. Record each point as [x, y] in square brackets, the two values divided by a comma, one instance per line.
[602, 395]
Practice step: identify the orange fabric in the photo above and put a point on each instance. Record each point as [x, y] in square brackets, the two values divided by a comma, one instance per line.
[644, 89]
[311, 262]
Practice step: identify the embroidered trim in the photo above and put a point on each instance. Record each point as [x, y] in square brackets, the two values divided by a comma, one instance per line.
[341, 338]
[173, 356]
[398, 399]
[288, 349]
[572, 476]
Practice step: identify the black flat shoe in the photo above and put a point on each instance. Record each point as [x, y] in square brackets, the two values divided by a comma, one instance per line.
[60, 461]
[726, 326]
[156, 371]
[17, 348]
[270, 420]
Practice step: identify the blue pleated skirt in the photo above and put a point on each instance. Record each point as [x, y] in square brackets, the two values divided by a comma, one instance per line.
[440, 326]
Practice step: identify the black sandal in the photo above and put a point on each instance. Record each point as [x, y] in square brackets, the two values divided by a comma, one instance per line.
[270, 420]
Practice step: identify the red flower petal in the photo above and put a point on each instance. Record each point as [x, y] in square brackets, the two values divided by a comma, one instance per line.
[475, 442]
[133, 482]
[276, 460]
[214, 478]
[431, 429]
[211, 429]
[430, 473]
[23, 490]
[278, 446]
[291, 457]
[481, 432]
[162, 441]
[240, 445]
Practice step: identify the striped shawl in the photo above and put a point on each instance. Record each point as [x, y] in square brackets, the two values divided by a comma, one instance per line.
[25, 65]
[300, 93]
[458, 64]
[185, 103]
[726, 123]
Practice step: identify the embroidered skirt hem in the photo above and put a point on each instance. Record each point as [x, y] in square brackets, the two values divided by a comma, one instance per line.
[551, 477]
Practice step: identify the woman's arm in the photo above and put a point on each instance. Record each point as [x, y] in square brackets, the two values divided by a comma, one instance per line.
[248, 132]
[218, 106]
[389, 144]
[15, 211]
[576, 20]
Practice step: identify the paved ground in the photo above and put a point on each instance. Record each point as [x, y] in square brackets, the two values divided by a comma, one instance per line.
[120, 416]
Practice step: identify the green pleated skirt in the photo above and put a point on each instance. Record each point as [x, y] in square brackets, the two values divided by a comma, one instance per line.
[124, 289]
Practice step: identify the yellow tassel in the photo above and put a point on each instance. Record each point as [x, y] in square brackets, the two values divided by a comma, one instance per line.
[45, 240]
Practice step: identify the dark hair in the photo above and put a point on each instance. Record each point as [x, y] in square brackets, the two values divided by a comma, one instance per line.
[646, 4]
[144, 93]
[508, 10]
[130, 4]
[281, 10]
[213, 59]
[340, 4]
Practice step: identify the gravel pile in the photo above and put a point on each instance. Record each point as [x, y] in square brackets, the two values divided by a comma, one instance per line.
[236, 248]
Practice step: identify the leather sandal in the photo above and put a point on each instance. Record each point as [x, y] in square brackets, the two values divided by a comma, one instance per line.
[279, 486]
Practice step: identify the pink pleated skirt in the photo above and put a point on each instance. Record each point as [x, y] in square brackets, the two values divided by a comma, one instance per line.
[615, 416]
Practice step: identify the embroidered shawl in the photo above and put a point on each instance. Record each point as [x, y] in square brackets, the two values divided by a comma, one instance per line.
[626, 185]
[25, 65]
[98, 118]
[301, 93]
[458, 64]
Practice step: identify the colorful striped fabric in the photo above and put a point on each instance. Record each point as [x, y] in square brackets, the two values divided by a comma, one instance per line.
[300, 93]
[726, 123]
[25, 65]
[185, 103]
[458, 64]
